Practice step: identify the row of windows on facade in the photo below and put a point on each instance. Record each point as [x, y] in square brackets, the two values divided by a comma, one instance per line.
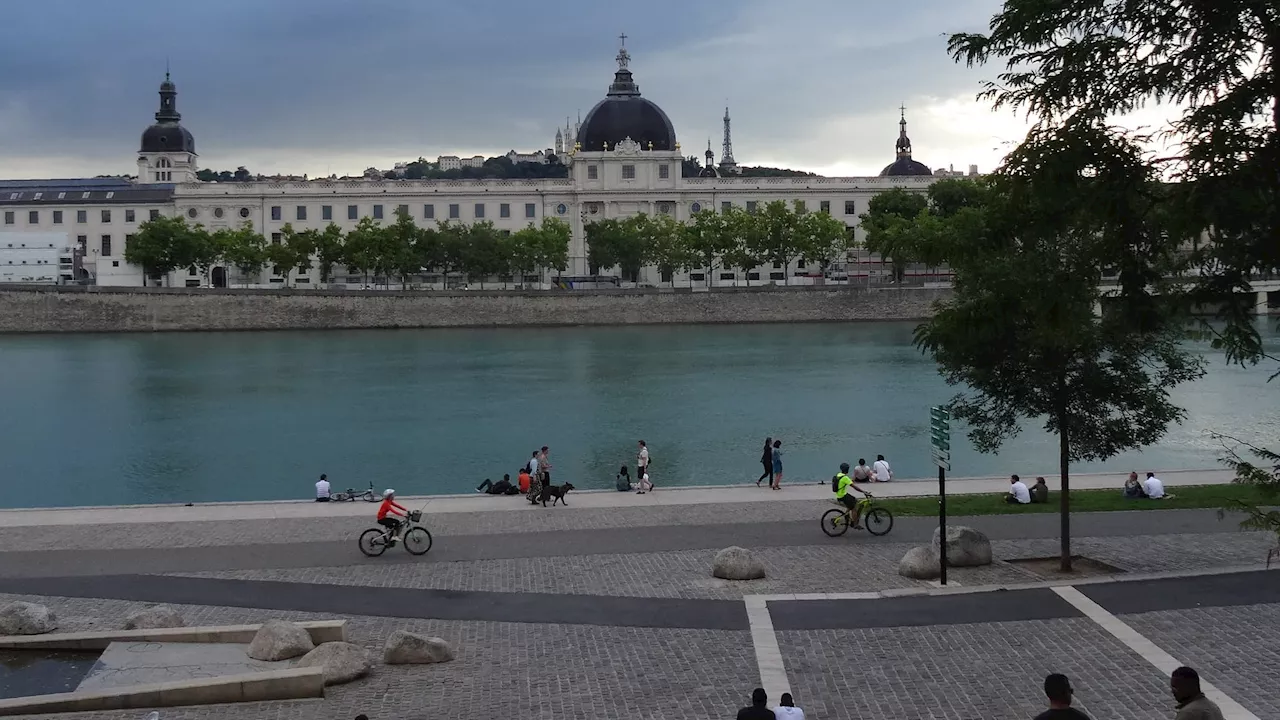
[83, 242]
[428, 211]
[82, 216]
[629, 172]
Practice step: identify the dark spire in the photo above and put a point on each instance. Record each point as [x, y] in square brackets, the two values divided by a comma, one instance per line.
[623, 84]
[904, 143]
[168, 112]
[709, 154]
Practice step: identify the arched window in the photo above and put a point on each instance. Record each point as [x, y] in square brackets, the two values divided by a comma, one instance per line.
[163, 163]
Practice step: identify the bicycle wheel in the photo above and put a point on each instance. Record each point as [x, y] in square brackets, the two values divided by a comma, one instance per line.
[417, 541]
[341, 497]
[373, 542]
[835, 523]
[369, 496]
[878, 521]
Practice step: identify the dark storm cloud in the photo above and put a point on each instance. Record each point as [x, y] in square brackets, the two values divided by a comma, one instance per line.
[315, 78]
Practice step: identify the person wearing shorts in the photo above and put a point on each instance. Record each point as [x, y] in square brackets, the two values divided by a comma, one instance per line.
[844, 484]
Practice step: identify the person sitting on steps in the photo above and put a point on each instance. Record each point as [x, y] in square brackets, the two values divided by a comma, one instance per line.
[387, 514]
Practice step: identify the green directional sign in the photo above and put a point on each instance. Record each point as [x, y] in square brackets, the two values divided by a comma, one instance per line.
[940, 437]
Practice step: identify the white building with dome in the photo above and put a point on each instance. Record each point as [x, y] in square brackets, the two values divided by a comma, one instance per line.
[624, 159]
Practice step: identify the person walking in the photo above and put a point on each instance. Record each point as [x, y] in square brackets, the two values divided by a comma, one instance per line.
[776, 482]
[544, 465]
[766, 459]
[642, 460]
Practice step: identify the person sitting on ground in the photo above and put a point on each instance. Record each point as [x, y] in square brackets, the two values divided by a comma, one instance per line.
[843, 484]
[1153, 487]
[757, 710]
[387, 513]
[862, 473]
[1018, 492]
[523, 479]
[787, 709]
[322, 489]
[1133, 488]
[502, 487]
[880, 471]
[1192, 704]
[623, 479]
[1058, 689]
[1040, 491]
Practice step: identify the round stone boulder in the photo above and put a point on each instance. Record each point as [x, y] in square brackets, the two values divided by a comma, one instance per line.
[966, 547]
[24, 618]
[406, 648]
[342, 662]
[280, 640]
[735, 563]
[154, 617]
[920, 563]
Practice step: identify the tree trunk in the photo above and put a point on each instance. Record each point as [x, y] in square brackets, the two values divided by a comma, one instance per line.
[1064, 499]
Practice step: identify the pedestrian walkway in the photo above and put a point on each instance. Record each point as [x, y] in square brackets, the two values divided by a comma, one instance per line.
[662, 497]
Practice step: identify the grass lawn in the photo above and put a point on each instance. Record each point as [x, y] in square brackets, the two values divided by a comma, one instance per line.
[1191, 496]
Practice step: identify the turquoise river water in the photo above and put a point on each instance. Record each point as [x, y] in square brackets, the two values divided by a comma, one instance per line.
[119, 419]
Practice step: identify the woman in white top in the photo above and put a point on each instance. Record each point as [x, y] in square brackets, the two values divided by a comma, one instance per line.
[880, 472]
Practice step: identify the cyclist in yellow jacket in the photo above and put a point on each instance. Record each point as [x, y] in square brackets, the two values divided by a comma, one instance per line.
[843, 483]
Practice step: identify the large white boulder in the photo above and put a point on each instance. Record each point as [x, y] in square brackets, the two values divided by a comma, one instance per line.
[156, 616]
[342, 662]
[966, 547]
[24, 618]
[735, 563]
[406, 648]
[280, 640]
[921, 563]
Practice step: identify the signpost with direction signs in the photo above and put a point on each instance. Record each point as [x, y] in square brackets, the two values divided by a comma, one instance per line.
[940, 450]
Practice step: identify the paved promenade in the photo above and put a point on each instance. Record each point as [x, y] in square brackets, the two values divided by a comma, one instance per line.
[607, 609]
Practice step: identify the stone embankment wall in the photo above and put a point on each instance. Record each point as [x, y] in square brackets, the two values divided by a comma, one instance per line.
[78, 309]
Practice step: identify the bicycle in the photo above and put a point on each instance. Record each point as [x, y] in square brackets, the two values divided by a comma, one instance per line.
[352, 494]
[417, 539]
[877, 520]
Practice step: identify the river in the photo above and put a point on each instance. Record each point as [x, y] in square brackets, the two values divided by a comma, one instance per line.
[151, 418]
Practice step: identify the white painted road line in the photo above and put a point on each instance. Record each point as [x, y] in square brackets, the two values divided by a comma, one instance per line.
[1152, 653]
[773, 674]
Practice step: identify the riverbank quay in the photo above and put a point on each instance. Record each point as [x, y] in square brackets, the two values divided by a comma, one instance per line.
[91, 309]
[672, 498]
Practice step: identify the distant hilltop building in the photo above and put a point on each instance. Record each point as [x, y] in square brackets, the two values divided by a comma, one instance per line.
[623, 159]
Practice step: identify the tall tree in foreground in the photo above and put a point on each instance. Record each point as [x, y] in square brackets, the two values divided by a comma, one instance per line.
[1021, 331]
[1218, 65]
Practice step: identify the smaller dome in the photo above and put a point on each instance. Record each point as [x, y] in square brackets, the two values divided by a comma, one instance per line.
[167, 137]
[708, 171]
[905, 166]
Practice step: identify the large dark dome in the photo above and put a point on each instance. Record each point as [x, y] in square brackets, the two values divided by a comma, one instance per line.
[624, 114]
[905, 166]
[168, 135]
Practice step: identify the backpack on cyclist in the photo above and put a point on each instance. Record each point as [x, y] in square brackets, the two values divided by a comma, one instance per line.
[835, 483]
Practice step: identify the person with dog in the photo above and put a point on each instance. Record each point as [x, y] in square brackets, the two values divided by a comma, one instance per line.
[387, 513]
[842, 483]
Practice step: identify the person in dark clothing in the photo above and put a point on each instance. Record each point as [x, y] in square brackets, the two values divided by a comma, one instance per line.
[623, 479]
[502, 487]
[767, 461]
[757, 709]
[1058, 689]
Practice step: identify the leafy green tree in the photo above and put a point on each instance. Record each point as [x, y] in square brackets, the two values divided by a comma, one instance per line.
[710, 236]
[822, 238]
[293, 252]
[165, 244]
[661, 236]
[1216, 64]
[747, 233]
[778, 238]
[553, 248]
[1020, 331]
[329, 250]
[484, 252]
[890, 227]
[242, 247]
[450, 253]
[399, 249]
[616, 243]
[363, 246]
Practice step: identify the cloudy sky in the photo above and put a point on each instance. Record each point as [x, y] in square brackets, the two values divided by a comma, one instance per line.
[334, 86]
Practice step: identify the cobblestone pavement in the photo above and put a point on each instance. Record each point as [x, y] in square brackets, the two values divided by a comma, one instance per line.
[988, 671]
[1235, 648]
[502, 670]
[1153, 553]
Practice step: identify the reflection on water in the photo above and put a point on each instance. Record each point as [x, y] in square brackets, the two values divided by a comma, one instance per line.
[41, 672]
[243, 416]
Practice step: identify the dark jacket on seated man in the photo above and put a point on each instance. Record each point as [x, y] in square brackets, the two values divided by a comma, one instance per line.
[1040, 491]
[502, 487]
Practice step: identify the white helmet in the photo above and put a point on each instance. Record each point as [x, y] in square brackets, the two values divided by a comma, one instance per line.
[388, 493]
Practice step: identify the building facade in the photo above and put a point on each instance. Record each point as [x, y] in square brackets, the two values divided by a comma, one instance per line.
[624, 159]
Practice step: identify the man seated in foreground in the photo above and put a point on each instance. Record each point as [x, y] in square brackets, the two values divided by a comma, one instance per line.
[523, 479]
[1058, 689]
[1153, 487]
[502, 487]
[757, 710]
[1018, 492]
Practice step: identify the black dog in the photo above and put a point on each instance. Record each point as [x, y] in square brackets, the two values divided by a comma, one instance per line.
[556, 491]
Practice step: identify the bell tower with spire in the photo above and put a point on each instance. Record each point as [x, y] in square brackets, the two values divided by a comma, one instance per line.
[168, 150]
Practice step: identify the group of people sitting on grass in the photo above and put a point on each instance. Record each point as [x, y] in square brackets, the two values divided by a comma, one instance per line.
[1134, 489]
[1020, 494]
[1150, 489]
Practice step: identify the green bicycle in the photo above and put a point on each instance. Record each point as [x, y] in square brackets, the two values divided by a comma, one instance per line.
[877, 520]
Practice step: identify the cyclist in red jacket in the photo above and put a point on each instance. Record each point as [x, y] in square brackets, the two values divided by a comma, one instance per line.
[387, 513]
